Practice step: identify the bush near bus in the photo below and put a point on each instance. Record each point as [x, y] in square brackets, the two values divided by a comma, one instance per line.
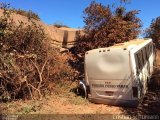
[154, 32]
[105, 26]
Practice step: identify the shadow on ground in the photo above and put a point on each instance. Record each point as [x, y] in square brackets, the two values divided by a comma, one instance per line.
[150, 104]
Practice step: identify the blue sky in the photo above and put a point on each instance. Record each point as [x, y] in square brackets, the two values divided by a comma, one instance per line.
[70, 12]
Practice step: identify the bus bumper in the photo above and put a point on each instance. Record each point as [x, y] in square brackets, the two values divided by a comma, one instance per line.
[124, 103]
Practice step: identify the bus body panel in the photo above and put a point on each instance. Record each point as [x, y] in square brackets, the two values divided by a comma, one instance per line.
[143, 70]
[113, 76]
[104, 65]
[111, 89]
[102, 70]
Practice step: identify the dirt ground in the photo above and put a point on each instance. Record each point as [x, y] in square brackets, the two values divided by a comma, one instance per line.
[66, 103]
[69, 103]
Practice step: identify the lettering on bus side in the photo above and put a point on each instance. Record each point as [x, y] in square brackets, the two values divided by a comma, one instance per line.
[98, 85]
[109, 86]
[116, 86]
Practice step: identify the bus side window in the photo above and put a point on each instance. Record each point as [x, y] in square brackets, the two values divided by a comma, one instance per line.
[150, 49]
[141, 59]
[144, 56]
[146, 53]
[137, 62]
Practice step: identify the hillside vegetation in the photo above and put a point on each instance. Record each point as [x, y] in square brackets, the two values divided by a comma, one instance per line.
[30, 14]
[55, 32]
[29, 66]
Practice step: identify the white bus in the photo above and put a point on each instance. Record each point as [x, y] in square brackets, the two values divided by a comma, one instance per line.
[118, 75]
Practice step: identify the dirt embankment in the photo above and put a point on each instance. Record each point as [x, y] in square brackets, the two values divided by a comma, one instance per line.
[60, 37]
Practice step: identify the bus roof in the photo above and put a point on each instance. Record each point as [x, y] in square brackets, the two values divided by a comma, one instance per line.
[134, 42]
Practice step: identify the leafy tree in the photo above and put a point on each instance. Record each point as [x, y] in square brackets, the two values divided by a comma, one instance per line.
[105, 26]
[154, 31]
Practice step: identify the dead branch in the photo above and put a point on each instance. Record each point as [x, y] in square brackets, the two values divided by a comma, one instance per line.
[40, 72]
[29, 88]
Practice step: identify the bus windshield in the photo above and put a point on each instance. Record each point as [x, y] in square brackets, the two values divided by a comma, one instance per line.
[111, 65]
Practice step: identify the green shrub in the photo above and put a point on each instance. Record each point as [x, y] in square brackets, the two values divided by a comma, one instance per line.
[29, 14]
[59, 25]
